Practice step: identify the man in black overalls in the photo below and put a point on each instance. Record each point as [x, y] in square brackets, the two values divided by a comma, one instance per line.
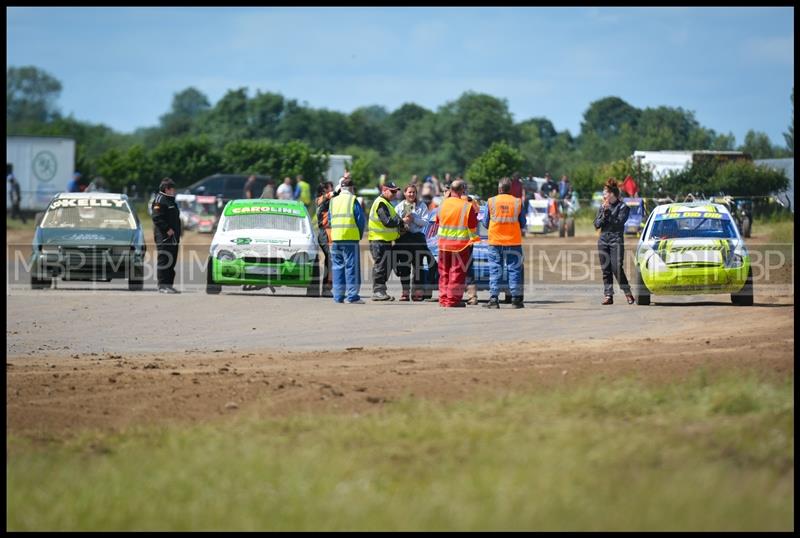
[167, 232]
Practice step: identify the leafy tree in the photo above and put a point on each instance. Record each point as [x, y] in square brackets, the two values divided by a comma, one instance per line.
[666, 128]
[228, 120]
[500, 160]
[265, 112]
[403, 116]
[186, 160]
[367, 165]
[31, 95]
[368, 127]
[252, 157]
[187, 107]
[758, 145]
[606, 117]
[744, 178]
[473, 123]
[540, 127]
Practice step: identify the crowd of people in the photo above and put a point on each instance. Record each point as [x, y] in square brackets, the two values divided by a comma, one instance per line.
[398, 221]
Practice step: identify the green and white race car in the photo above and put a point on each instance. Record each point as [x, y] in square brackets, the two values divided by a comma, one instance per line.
[263, 243]
[692, 248]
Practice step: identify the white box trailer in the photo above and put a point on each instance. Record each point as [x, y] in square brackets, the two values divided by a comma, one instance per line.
[664, 162]
[43, 166]
[336, 167]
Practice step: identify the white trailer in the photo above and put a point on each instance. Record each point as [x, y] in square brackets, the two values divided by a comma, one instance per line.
[43, 166]
[336, 167]
[666, 161]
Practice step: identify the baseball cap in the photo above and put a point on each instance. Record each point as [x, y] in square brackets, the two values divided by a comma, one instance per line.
[391, 186]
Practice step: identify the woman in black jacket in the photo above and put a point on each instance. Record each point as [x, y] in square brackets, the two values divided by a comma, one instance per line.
[610, 220]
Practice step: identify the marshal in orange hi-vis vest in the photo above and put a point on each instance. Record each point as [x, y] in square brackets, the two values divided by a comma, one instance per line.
[454, 232]
[504, 211]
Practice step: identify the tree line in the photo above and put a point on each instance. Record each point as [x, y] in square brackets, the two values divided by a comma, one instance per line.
[267, 133]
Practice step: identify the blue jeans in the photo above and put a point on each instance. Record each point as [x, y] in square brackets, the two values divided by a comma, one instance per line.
[346, 265]
[511, 257]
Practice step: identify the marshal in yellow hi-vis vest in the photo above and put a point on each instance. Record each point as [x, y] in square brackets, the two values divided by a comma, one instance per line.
[342, 217]
[377, 231]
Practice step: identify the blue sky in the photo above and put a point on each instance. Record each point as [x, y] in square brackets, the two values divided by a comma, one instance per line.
[734, 67]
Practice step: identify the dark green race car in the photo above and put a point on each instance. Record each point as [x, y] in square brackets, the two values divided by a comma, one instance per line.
[88, 236]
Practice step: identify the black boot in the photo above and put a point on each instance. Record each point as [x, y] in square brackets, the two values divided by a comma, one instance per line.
[493, 303]
[516, 302]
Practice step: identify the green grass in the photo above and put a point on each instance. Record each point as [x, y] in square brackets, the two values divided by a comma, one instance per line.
[777, 231]
[704, 454]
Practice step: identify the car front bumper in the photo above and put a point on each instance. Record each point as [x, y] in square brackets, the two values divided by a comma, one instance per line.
[696, 280]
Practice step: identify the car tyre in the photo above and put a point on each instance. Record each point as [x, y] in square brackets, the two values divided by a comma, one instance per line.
[640, 291]
[40, 284]
[135, 278]
[313, 287]
[746, 226]
[744, 297]
[211, 287]
[570, 227]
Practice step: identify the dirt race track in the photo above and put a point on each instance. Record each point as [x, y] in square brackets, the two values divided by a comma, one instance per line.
[88, 355]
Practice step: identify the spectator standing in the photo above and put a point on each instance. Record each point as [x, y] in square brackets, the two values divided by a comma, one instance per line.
[167, 232]
[347, 227]
[74, 184]
[610, 220]
[16, 197]
[549, 186]
[249, 190]
[564, 187]
[458, 223]
[269, 190]
[472, 287]
[384, 227]
[302, 192]
[285, 190]
[410, 248]
[505, 221]
[324, 195]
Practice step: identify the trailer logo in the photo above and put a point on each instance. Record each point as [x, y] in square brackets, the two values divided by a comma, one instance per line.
[45, 166]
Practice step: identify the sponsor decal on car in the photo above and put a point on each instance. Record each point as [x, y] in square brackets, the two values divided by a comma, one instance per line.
[86, 202]
[264, 209]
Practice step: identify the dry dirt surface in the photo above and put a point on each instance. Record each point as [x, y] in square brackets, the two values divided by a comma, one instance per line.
[51, 397]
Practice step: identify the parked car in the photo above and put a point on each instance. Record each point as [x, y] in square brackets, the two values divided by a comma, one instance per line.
[263, 243]
[692, 248]
[198, 213]
[226, 186]
[635, 223]
[88, 236]
[542, 216]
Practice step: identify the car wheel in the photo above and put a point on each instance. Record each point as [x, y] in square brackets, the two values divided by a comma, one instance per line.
[211, 287]
[313, 287]
[744, 297]
[40, 284]
[640, 291]
[135, 278]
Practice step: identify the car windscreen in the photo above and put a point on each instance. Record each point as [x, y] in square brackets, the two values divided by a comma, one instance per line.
[712, 226]
[265, 221]
[119, 218]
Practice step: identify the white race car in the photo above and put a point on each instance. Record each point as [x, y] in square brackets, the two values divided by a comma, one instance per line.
[263, 243]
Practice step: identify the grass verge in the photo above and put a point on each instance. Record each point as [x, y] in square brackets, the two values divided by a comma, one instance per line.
[701, 454]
